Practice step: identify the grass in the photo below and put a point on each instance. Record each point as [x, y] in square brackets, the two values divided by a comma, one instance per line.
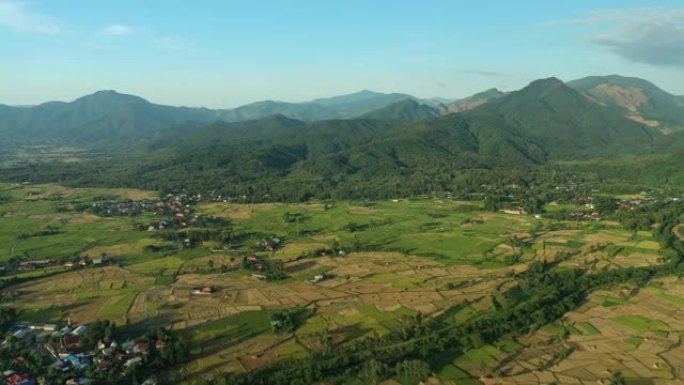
[610, 301]
[310, 274]
[672, 299]
[564, 208]
[638, 323]
[424, 228]
[587, 328]
[116, 310]
[291, 349]
[451, 372]
[156, 266]
[661, 333]
[235, 328]
[509, 346]
[634, 341]
[570, 244]
[399, 280]
[111, 284]
[41, 315]
[361, 320]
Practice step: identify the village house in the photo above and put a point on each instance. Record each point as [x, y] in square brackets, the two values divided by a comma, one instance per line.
[203, 291]
[80, 330]
[69, 342]
[32, 264]
[20, 379]
[317, 279]
[132, 361]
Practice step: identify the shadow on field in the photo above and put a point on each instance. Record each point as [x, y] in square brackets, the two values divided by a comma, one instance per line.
[149, 323]
[211, 344]
[301, 267]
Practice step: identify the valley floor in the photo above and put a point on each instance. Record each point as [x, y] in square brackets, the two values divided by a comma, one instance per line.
[356, 269]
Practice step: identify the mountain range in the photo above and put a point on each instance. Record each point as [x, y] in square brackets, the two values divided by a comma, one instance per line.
[106, 118]
[105, 115]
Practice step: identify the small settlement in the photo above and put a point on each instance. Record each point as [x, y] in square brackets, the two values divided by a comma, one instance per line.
[67, 351]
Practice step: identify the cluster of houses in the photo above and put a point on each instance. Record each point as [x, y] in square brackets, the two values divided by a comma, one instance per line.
[31, 264]
[588, 210]
[252, 262]
[171, 205]
[175, 209]
[64, 346]
[269, 244]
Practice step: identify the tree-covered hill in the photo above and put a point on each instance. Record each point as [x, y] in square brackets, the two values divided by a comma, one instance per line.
[563, 122]
[407, 110]
[636, 98]
[471, 102]
[108, 120]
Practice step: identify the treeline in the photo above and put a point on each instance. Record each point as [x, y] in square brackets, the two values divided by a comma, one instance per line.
[330, 179]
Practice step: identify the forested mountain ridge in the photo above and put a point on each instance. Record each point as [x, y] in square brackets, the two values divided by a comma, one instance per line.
[470, 102]
[100, 118]
[563, 122]
[407, 110]
[388, 152]
[638, 99]
[109, 119]
[400, 149]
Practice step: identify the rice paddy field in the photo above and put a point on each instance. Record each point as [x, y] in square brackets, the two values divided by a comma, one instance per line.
[441, 258]
[635, 332]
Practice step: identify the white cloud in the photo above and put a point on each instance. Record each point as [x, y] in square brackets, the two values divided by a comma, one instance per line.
[646, 35]
[16, 15]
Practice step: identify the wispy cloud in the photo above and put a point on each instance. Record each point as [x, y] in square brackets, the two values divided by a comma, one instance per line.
[17, 15]
[119, 30]
[645, 35]
[168, 43]
[487, 73]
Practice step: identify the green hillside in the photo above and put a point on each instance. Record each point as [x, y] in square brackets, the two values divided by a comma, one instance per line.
[471, 102]
[107, 120]
[636, 97]
[407, 110]
[561, 121]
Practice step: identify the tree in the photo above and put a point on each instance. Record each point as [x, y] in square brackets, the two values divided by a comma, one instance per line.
[617, 378]
[605, 204]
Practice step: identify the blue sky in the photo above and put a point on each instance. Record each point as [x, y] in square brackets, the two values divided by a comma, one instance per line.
[232, 52]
